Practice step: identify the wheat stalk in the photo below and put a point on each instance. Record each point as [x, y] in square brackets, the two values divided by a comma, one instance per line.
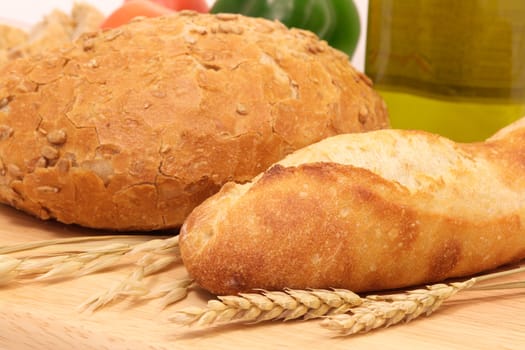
[31, 246]
[257, 307]
[172, 292]
[379, 311]
[134, 285]
[341, 310]
[38, 265]
[386, 310]
[156, 256]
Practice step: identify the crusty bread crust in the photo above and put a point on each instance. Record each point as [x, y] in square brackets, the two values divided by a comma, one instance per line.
[370, 211]
[131, 128]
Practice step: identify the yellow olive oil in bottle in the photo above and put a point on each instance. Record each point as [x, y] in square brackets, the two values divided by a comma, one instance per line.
[452, 67]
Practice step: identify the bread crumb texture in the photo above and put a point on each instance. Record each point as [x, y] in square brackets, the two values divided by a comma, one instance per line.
[131, 128]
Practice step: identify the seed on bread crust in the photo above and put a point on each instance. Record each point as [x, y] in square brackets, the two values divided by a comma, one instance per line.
[5, 132]
[48, 189]
[57, 137]
[15, 171]
[48, 152]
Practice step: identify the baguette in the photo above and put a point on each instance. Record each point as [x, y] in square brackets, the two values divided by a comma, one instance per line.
[131, 128]
[372, 211]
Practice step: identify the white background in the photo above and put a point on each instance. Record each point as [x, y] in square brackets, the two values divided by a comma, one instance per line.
[31, 11]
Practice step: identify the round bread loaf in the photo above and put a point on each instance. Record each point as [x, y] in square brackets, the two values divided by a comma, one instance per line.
[131, 128]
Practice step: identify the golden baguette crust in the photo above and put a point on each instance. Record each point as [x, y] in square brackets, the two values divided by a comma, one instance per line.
[371, 211]
[131, 128]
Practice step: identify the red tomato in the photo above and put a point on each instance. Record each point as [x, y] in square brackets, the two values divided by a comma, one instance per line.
[131, 9]
[177, 5]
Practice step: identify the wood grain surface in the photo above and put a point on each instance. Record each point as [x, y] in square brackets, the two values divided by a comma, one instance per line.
[45, 315]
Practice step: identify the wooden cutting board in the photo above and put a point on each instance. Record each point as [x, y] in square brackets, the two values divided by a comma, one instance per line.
[45, 315]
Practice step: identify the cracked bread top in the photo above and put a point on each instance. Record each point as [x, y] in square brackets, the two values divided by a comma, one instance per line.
[131, 128]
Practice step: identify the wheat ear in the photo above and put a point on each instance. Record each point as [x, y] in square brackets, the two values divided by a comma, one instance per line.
[49, 259]
[42, 264]
[265, 306]
[386, 310]
[134, 285]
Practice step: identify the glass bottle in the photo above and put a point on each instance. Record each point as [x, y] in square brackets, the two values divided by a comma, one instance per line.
[452, 67]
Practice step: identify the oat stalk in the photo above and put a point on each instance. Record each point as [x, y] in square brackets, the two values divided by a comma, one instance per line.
[265, 306]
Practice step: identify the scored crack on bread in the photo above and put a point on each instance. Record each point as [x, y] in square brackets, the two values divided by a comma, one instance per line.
[372, 211]
[131, 128]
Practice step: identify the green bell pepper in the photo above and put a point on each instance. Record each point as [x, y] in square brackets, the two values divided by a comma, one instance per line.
[335, 21]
